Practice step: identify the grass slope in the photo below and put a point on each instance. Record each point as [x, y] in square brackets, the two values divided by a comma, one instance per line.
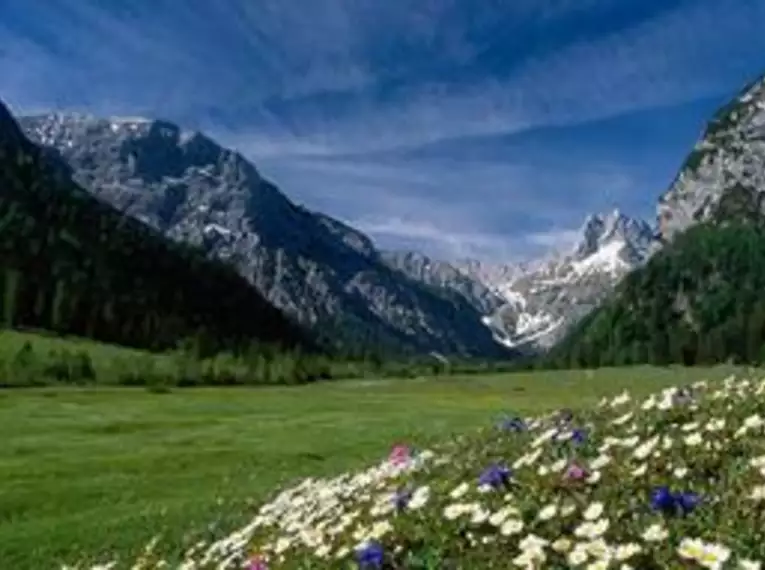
[101, 471]
[73, 264]
[675, 480]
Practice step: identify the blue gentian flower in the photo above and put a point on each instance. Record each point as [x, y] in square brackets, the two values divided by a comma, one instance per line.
[495, 476]
[687, 501]
[579, 435]
[371, 555]
[664, 500]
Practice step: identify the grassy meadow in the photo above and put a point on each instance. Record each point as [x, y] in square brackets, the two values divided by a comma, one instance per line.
[89, 472]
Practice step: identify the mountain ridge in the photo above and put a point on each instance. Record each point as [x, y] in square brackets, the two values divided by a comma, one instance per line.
[319, 270]
[76, 265]
[531, 305]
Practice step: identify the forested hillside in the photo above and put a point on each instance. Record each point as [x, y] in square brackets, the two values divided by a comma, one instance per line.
[73, 264]
[700, 300]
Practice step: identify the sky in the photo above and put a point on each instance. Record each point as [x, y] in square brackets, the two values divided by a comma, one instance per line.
[487, 129]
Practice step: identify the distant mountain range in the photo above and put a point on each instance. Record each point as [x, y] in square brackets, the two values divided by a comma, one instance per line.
[319, 270]
[530, 306]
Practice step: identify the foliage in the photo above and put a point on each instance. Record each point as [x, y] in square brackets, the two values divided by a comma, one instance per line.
[698, 301]
[37, 359]
[672, 481]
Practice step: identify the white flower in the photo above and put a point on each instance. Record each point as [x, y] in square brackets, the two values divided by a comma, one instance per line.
[459, 491]
[561, 545]
[454, 511]
[419, 498]
[532, 543]
[593, 512]
[655, 533]
[758, 462]
[714, 556]
[754, 422]
[577, 557]
[567, 509]
[511, 526]
[480, 515]
[622, 419]
[600, 462]
[646, 448]
[548, 512]
[640, 471]
[380, 529]
[694, 439]
[592, 530]
[621, 399]
[758, 493]
[626, 551]
[680, 472]
[558, 466]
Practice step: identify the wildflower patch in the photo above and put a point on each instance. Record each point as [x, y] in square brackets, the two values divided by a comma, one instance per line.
[676, 480]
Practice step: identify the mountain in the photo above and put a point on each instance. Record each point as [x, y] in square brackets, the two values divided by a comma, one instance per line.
[699, 299]
[725, 172]
[325, 274]
[73, 264]
[529, 306]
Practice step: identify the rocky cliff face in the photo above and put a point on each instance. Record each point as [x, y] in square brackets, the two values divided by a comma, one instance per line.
[726, 169]
[319, 270]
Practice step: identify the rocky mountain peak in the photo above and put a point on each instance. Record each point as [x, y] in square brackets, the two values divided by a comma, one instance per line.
[725, 172]
[616, 230]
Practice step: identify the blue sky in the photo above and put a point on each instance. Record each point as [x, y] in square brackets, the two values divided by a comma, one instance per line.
[459, 127]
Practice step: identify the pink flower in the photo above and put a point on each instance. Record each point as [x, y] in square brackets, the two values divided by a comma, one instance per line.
[257, 562]
[399, 454]
[575, 472]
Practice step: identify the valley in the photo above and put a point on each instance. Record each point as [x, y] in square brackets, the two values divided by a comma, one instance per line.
[508, 366]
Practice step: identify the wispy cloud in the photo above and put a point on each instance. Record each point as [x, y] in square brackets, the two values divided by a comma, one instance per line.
[336, 99]
[659, 61]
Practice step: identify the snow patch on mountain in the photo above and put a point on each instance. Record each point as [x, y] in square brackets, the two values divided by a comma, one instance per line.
[544, 298]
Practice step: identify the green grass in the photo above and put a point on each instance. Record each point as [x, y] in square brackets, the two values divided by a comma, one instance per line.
[86, 471]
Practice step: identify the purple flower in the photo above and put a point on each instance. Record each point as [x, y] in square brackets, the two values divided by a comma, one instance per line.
[371, 555]
[687, 501]
[575, 472]
[664, 500]
[495, 476]
[579, 436]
